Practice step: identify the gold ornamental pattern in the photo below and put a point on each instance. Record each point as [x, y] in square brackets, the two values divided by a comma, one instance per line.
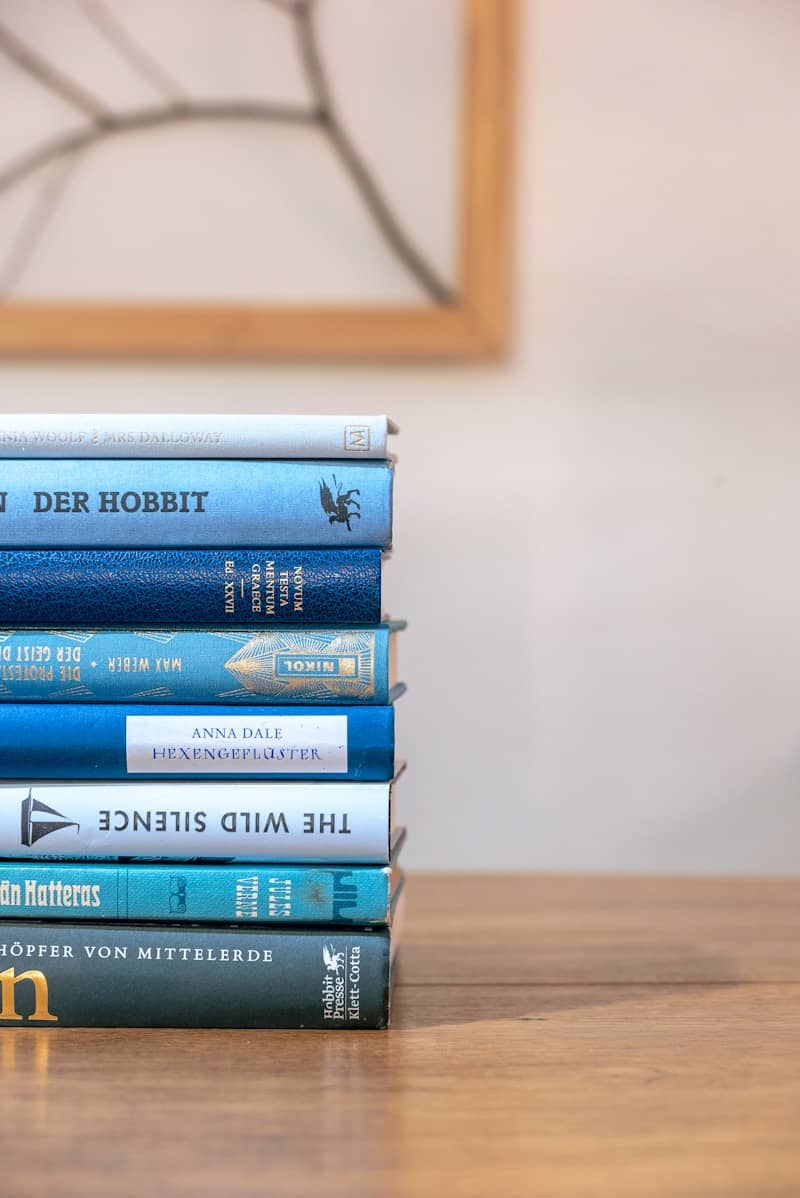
[316, 665]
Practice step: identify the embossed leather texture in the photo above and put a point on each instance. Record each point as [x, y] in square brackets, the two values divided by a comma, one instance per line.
[188, 588]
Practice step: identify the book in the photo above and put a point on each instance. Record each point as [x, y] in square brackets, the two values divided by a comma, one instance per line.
[191, 893]
[75, 502]
[349, 823]
[189, 588]
[103, 435]
[317, 665]
[115, 740]
[76, 974]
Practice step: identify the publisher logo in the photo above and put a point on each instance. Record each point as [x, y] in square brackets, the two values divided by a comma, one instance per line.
[341, 984]
[334, 962]
[177, 894]
[357, 438]
[34, 821]
[341, 508]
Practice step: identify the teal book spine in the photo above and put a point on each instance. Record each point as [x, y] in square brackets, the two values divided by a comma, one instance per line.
[75, 974]
[189, 893]
[287, 666]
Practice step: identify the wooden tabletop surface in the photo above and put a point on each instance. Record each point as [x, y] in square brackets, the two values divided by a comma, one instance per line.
[629, 1037]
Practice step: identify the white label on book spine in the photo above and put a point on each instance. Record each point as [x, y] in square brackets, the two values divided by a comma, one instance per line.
[209, 744]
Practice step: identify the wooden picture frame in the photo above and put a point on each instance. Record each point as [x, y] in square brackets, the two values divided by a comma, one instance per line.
[473, 325]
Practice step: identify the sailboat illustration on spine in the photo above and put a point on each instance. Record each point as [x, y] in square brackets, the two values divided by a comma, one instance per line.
[34, 829]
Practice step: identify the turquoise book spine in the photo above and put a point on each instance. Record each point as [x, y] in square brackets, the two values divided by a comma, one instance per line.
[287, 666]
[190, 893]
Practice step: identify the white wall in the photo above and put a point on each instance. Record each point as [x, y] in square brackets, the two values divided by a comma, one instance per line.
[595, 541]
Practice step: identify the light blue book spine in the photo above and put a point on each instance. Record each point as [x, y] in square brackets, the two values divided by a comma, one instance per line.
[210, 502]
[194, 893]
[346, 665]
[102, 435]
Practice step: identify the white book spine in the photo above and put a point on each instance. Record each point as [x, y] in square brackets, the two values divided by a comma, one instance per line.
[67, 435]
[246, 821]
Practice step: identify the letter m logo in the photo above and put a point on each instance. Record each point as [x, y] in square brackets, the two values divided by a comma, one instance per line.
[8, 985]
[356, 438]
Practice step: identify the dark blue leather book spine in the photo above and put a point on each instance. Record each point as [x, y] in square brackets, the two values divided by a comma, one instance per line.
[134, 975]
[77, 503]
[146, 742]
[188, 588]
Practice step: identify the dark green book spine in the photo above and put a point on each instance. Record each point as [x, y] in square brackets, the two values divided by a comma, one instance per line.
[135, 975]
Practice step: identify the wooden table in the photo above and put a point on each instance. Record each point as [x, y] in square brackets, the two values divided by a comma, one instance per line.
[553, 1036]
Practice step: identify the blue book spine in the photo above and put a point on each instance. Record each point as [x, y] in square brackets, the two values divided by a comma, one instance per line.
[345, 665]
[139, 975]
[181, 893]
[105, 740]
[143, 503]
[189, 588]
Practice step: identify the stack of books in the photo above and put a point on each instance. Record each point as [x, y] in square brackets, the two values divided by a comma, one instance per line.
[196, 722]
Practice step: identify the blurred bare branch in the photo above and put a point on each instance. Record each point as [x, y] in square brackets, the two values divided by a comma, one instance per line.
[36, 220]
[68, 148]
[150, 118]
[344, 147]
[43, 71]
[137, 57]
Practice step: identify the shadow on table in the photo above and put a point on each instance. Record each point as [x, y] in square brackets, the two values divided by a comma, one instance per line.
[418, 1005]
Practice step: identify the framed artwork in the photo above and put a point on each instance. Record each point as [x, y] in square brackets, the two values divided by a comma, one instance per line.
[284, 179]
